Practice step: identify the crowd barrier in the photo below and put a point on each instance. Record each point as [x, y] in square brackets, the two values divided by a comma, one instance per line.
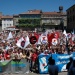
[5, 66]
[11, 66]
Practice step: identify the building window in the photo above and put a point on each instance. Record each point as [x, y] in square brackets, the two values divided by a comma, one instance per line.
[73, 17]
[51, 15]
[73, 9]
[10, 24]
[42, 16]
[4, 20]
[70, 11]
[68, 20]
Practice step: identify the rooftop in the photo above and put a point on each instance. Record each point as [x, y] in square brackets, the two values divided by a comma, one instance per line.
[54, 13]
[32, 12]
[7, 17]
[40, 12]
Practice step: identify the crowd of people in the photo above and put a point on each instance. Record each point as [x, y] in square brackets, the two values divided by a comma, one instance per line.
[65, 44]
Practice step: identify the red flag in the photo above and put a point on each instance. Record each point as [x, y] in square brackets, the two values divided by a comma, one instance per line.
[50, 37]
[56, 35]
[36, 35]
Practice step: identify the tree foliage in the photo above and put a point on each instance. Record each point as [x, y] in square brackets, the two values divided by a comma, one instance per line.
[29, 22]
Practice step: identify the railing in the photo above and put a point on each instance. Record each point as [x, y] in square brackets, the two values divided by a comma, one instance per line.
[14, 66]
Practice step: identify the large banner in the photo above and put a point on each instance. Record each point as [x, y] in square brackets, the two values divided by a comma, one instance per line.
[60, 60]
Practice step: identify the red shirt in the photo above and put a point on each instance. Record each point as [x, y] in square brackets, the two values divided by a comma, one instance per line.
[34, 57]
[7, 56]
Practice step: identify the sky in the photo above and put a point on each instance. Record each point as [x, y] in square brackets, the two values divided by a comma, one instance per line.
[11, 7]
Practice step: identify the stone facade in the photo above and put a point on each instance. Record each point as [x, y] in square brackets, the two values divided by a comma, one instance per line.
[15, 20]
[71, 18]
[54, 18]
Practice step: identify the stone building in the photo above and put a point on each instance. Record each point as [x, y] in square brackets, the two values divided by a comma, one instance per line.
[54, 19]
[38, 18]
[71, 18]
[32, 17]
[45, 19]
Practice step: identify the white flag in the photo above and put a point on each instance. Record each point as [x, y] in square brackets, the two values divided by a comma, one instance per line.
[23, 43]
[19, 42]
[27, 42]
[64, 32]
[10, 36]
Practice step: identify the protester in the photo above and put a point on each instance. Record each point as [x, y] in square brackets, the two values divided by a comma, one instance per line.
[69, 64]
[29, 54]
[52, 68]
[8, 55]
[33, 61]
[72, 68]
[23, 54]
